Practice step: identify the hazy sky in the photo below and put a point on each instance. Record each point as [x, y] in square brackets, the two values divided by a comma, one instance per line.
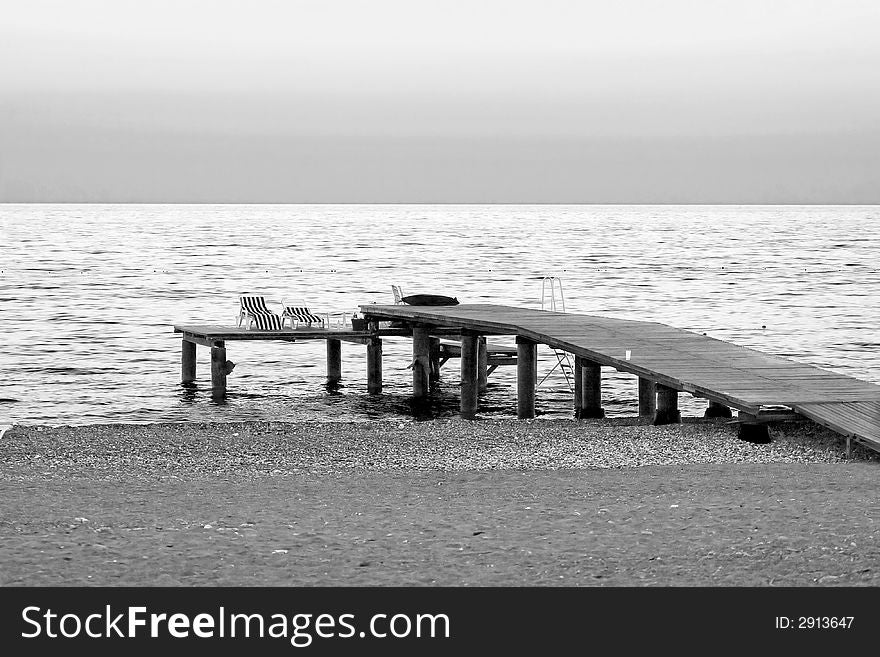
[752, 101]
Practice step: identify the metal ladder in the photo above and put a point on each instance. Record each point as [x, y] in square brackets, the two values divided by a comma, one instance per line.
[549, 302]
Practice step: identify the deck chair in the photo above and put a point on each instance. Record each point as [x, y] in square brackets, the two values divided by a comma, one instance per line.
[255, 314]
[296, 312]
[398, 294]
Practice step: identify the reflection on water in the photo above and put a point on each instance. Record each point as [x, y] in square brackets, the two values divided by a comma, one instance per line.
[89, 295]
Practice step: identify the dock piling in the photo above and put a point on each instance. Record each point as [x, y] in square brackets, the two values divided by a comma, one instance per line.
[526, 377]
[667, 406]
[588, 389]
[334, 362]
[374, 366]
[751, 430]
[421, 363]
[218, 370]
[483, 365]
[188, 361]
[647, 398]
[717, 410]
[434, 375]
[470, 346]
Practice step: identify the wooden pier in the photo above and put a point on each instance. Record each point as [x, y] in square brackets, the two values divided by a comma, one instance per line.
[440, 350]
[666, 360]
[216, 337]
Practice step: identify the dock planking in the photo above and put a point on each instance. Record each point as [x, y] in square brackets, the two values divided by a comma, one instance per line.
[724, 373]
[855, 419]
[208, 333]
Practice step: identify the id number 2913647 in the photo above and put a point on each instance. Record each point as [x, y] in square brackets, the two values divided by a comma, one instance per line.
[814, 622]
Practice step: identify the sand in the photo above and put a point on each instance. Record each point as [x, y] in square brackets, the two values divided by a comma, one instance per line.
[449, 503]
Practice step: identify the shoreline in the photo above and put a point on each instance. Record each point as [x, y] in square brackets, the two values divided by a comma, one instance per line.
[256, 448]
[438, 503]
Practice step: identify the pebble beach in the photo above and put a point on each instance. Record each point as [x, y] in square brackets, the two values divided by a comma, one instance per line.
[444, 502]
[157, 451]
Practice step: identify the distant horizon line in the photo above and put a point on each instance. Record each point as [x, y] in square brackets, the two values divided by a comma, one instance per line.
[727, 203]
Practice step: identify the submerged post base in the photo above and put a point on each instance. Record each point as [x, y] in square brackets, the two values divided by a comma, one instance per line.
[374, 366]
[334, 363]
[526, 377]
[218, 370]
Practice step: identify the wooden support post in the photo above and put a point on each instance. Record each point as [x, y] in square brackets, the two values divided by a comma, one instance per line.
[848, 448]
[218, 370]
[752, 431]
[334, 362]
[435, 360]
[188, 361]
[483, 365]
[716, 409]
[588, 389]
[667, 406]
[647, 398]
[526, 375]
[470, 345]
[421, 364]
[374, 366]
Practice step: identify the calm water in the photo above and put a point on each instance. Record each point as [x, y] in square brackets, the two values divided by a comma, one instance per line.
[89, 294]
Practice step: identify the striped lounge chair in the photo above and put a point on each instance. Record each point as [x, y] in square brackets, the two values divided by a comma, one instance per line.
[296, 313]
[255, 314]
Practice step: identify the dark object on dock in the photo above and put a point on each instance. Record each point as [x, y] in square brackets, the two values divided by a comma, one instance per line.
[429, 300]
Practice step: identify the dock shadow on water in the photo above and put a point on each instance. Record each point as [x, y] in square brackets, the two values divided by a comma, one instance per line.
[406, 406]
[427, 409]
[189, 392]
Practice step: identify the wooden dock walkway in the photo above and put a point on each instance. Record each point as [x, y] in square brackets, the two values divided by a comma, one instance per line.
[667, 361]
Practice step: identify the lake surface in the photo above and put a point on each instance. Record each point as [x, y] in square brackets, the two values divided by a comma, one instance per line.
[89, 295]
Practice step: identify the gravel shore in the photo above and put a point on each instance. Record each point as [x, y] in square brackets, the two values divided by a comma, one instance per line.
[275, 449]
[447, 502]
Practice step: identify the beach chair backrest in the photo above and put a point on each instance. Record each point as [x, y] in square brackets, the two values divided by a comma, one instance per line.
[297, 309]
[398, 294]
[254, 304]
[255, 314]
